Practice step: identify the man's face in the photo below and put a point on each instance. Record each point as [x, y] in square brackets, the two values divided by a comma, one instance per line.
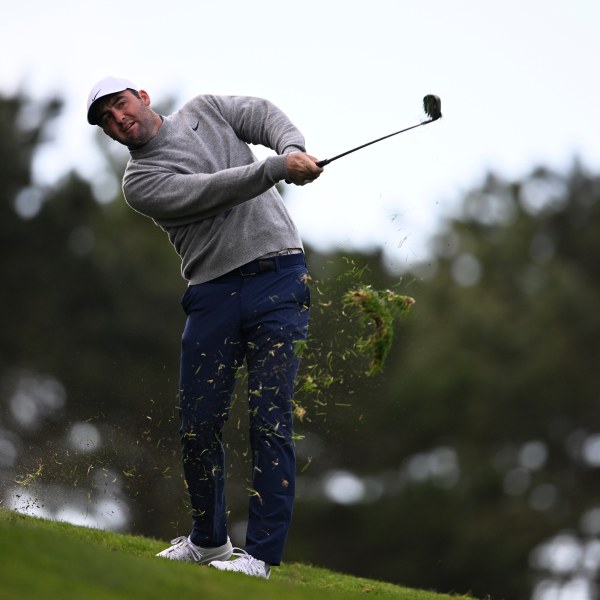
[128, 119]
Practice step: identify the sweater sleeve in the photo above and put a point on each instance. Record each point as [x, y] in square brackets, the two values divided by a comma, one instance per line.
[199, 163]
[172, 198]
[259, 121]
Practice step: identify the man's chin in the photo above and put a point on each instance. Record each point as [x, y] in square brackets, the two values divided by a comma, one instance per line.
[132, 144]
[132, 141]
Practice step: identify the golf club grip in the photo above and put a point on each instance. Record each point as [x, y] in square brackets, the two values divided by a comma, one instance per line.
[321, 164]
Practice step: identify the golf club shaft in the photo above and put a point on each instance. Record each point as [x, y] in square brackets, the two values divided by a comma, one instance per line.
[326, 161]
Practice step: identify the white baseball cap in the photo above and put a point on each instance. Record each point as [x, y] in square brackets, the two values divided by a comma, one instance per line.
[105, 87]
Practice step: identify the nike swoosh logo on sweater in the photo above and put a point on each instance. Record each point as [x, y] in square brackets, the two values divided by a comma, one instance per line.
[196, 128]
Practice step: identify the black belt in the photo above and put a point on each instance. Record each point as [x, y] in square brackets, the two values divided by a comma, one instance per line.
[264, 265]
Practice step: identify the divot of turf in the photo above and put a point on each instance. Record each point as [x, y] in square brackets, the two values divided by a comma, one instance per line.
[378, 309]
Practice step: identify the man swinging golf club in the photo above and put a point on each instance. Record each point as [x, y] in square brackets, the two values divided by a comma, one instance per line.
[194, 174]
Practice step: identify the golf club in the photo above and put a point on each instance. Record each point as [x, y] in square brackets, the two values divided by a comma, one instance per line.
[432, 105]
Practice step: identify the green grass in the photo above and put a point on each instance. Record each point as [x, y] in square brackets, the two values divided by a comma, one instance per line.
[52, 560]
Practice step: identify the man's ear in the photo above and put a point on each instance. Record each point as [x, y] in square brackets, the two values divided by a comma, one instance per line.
[145, 97]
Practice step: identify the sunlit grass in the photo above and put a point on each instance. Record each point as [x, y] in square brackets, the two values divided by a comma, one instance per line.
[52, 560]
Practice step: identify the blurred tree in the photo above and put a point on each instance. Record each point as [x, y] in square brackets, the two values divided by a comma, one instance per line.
[90, 335]
[458, 468]
[482, 436]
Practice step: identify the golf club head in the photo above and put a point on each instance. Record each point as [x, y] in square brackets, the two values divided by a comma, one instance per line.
[432, 105]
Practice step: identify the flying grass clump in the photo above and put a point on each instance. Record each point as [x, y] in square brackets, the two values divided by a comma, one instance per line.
[377, 310]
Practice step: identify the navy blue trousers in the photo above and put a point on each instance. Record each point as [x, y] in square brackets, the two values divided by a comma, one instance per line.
[258, 313]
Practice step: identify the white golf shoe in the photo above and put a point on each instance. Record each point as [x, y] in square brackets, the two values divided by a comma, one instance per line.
[244, 563]
[183, 549]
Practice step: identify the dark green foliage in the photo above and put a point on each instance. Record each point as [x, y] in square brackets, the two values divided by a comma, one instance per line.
[473, 445]
[79, 314]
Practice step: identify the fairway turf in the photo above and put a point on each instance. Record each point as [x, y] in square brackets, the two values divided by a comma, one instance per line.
[51, 560]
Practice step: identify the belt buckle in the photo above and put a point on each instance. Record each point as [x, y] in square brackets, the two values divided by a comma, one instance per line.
[266, 264]
[263, 265]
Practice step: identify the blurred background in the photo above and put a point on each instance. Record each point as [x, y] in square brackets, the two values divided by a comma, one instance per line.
[470, 463]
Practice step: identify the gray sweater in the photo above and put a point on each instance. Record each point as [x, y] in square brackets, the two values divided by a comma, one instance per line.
[199, 180]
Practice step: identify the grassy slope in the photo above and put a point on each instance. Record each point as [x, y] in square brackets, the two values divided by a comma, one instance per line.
[50, 560]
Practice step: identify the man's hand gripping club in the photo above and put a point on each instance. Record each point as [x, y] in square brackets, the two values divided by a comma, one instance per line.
[302, 168]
